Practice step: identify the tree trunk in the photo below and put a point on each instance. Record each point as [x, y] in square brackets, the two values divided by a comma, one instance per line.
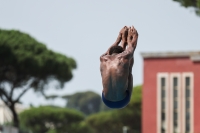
[15, 116]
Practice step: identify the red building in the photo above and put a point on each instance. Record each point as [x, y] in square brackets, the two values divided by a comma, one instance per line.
[171, 92]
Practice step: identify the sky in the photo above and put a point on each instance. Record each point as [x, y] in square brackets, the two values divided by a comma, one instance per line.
[85, 29]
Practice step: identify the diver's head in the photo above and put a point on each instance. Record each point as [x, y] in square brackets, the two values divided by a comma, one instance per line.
[115, 50]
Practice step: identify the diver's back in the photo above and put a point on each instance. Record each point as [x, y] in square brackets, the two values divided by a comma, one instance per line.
[114, 71]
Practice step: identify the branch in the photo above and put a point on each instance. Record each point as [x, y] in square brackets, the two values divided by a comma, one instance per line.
[11, 92]
[6, 102]
[23, 92]
[2, 91]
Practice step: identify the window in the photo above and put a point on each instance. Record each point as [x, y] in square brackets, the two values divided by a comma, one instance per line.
[163, 104]
[163, 116]
[175, 103]
[187, 104]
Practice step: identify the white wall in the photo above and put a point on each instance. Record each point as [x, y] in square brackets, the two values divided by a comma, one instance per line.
[5, 113]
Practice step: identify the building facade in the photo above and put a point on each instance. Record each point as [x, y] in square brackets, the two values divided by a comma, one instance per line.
[5, 113]
[171, 92]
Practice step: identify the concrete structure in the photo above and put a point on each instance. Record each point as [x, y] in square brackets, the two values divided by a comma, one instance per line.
[5, 113]
[9, 129]
[171, 92]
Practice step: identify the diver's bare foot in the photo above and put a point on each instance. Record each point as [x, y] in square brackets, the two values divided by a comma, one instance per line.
[124, 34]
[132, 36]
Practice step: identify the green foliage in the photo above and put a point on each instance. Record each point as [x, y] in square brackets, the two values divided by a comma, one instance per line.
[103, 107]
[27, 64]
[23, 57]
[70, 120]
[87, 102]
[46, 119]
[191, 3]
[114, 120]
[51, 97]
[81, 127]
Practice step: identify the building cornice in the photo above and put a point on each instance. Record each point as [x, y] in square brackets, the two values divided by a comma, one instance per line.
[194, 56]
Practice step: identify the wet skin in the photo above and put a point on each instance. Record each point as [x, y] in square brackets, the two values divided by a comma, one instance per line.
[116, 69]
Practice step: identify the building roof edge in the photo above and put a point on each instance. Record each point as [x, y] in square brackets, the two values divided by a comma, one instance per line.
[169, 54]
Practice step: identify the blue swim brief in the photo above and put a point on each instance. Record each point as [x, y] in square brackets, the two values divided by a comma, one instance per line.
[117, 104]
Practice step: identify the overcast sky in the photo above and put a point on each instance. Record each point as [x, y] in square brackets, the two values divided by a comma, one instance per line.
[85, 29]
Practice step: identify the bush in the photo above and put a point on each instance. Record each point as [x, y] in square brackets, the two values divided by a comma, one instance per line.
[114, 120]
[46, 119]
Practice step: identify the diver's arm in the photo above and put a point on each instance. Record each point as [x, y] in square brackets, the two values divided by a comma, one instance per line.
[132, 40]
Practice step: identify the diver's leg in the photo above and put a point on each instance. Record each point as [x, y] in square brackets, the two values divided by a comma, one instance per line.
[130, 84]
[130, 77]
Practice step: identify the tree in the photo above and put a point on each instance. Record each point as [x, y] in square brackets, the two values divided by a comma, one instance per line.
[114, 120]
[27, 64]
[51, 97]
[47, 119]
[86, 102]
[191, 3]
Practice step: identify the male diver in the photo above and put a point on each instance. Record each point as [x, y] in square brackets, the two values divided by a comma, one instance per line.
[116, 69]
